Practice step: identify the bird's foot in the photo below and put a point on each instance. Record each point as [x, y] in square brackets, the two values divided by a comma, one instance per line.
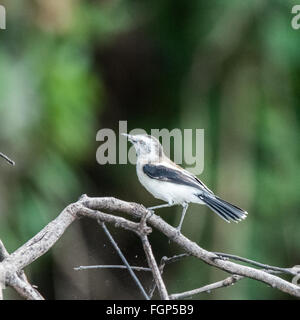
[176, 235]
[150, 214]
[178, 231]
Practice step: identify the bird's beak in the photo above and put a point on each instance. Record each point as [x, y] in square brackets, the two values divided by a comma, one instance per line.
[129, 137]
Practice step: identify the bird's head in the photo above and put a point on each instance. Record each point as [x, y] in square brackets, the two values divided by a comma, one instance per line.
[146, 146]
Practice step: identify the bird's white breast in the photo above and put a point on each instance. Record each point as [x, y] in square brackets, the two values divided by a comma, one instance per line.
[166, 191]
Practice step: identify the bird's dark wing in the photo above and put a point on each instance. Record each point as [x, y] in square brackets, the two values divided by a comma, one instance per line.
[167, 174]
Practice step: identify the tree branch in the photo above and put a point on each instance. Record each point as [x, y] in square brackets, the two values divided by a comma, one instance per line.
[192, 248]
[150, 258]
[94, 207]
[18, 281]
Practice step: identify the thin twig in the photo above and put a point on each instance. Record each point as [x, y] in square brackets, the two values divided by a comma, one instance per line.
[258, 264]
[113, 242]
[92, 207]
[175, 258]
[220, 284]
[7, 159]
[111, 267]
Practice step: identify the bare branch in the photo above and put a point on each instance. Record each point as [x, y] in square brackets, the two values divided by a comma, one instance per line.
[177, 257]
[143, 233]
[212, 259]
[18, 281]
[193, 249]
[111, 267]
[25, 289]
[93, 207]
[208, 288]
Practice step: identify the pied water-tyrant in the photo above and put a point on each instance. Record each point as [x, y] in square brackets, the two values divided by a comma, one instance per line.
[167, 181]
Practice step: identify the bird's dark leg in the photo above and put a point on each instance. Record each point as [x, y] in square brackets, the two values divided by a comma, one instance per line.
[185, 206]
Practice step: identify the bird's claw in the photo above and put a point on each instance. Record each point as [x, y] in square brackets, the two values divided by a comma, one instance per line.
[151, 213]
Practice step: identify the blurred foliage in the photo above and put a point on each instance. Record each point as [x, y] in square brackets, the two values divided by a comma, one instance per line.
[69, 68]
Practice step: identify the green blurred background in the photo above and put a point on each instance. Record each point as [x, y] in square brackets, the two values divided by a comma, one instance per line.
[69, 68]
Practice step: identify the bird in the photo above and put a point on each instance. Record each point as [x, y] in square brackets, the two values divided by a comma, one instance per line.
[169, 182]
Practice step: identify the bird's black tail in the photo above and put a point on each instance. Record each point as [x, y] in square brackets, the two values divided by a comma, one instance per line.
[224, 209]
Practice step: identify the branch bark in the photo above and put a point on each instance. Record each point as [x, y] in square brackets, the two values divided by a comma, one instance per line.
[94, 207]
[18, 280]
[155, 270]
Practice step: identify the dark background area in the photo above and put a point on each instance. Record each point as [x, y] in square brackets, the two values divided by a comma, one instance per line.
[70, 68]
